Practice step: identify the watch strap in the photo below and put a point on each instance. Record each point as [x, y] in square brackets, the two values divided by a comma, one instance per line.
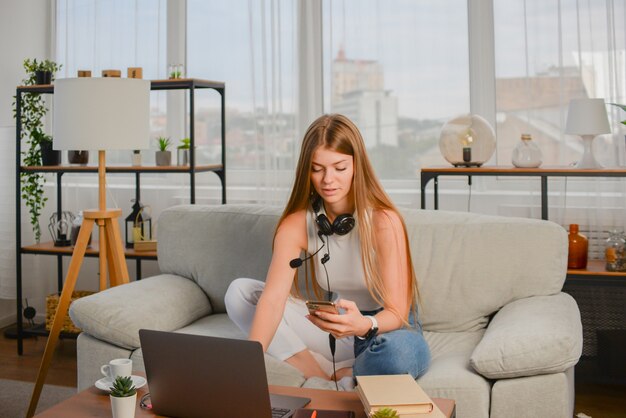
[372, 331]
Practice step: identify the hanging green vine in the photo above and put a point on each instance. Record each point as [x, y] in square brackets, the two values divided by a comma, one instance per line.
[33, 110]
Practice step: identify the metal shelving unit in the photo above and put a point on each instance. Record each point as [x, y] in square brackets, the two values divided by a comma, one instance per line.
[192, 169]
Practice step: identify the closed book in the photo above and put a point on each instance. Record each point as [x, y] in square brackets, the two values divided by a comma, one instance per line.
[322, 413]
[399, 392]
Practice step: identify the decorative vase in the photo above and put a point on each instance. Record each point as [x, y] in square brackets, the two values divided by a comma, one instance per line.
[163, 158]
[578, 246]
[182, 156]
[123, 407]
[615, 251]
[526, 153]
[78, 157]
[48, 155]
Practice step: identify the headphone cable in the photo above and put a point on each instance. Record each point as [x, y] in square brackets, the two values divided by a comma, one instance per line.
[331, 338]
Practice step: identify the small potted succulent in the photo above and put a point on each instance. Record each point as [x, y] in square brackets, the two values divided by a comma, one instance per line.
[123, 397]
[182, 154]
[386, 413]
[163, 156]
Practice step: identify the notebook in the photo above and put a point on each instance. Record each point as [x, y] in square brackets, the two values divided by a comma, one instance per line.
[210, 377]
[399, 392]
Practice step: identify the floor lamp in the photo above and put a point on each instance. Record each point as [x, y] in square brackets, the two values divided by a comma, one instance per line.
[587, 118]
[95, 114]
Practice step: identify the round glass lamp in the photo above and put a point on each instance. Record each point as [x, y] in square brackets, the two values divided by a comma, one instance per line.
[467, 141]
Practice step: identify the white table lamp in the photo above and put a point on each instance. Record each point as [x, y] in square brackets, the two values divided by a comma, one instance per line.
[587, 118]
[95, 114]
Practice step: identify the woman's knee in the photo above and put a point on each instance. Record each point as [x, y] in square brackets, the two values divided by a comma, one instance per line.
[397, 352]
[240, 291]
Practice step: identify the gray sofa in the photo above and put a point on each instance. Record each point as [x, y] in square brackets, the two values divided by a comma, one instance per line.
[504, 338]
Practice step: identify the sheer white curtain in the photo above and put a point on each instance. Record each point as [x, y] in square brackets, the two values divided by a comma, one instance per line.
[251, 46]
[548, 53]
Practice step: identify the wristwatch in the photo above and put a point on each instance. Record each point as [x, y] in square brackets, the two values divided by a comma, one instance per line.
[372, 331]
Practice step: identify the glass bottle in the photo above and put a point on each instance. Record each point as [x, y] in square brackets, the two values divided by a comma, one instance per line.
[614, 251]
[578, 246]
[526, 153]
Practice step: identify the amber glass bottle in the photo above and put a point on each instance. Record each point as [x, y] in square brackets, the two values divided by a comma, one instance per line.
[578, 246]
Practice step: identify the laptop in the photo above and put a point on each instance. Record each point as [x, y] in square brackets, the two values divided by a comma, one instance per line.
[193, 376]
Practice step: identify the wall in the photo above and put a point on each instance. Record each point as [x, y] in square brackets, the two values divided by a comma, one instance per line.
[24, 29]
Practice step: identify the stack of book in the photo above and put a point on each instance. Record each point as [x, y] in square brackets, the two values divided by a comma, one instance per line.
[399, 392]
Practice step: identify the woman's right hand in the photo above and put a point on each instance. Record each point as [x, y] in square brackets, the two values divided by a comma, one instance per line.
[350, 323]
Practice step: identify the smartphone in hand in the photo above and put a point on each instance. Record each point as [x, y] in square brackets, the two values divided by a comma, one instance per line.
[321, 305]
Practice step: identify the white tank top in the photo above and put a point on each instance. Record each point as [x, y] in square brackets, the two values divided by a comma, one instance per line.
[345, 269]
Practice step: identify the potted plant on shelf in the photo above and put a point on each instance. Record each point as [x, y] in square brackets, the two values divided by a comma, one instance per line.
[44, 71]
[33, 110]
[182, 154]
[48, 155]
[163, 156]
[123, 397]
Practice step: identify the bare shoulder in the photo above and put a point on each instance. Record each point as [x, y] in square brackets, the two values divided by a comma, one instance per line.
[293, 229]
[386, 219]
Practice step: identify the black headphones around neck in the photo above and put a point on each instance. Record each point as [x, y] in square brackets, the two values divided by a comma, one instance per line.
[340, 226]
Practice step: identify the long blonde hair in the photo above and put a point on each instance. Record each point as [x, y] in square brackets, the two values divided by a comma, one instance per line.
[337, 133]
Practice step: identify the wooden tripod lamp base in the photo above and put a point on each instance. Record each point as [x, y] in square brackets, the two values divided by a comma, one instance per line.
[111, 256]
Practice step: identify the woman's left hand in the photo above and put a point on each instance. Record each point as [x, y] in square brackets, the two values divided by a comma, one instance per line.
[350, 323]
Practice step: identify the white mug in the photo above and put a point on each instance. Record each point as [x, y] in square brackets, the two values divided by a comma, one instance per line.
[117, 367]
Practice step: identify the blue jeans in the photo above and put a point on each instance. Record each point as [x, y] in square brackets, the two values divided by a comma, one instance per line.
[400, 351]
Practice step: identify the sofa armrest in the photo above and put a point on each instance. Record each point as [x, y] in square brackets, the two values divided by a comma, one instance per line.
[165, 302]
[536, 335]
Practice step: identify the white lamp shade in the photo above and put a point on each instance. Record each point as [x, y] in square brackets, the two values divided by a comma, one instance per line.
[587, 117]
[101, 114]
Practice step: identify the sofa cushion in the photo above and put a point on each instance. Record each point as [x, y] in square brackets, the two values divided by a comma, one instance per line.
[213, 245]
[165, 302]
[470, 265]
[450, 375]
[531, 336]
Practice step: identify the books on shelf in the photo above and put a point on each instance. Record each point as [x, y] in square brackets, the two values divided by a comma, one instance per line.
[399, 392]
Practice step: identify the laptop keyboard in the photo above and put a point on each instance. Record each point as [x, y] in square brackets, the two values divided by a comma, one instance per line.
[279, 412]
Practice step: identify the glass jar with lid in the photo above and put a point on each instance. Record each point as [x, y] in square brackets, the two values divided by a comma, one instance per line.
[526, 153]
[615, 251]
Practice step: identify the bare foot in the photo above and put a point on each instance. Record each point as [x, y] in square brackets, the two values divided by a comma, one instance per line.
[306, 363]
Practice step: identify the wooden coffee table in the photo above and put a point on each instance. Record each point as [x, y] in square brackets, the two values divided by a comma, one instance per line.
[93, 402]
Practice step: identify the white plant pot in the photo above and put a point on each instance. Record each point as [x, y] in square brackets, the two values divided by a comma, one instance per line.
[123, 407]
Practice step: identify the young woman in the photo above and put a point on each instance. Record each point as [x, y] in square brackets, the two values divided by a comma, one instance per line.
[357, 247]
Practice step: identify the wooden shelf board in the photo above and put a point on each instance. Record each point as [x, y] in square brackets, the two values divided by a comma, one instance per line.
[504, 170]
[595, 268]
[166, 84]
[122, 169]
[93, 251]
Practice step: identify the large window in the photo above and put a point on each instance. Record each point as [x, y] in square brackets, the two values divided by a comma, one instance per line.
[399, 69]
[251, 46]
[548, 53]
[94, 35]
